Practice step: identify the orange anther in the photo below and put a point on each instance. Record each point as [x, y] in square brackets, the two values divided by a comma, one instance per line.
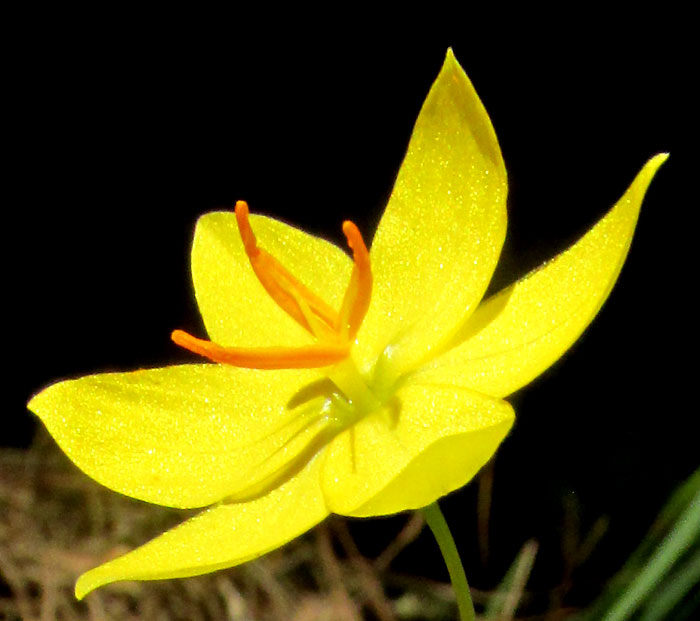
[359, 291]
[360, 253]
[249, 242]
[310, 356]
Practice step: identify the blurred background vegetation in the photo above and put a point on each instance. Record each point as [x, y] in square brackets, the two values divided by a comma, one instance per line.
[125, 130]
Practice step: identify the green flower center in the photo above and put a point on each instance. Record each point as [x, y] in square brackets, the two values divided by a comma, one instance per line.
[347, 395]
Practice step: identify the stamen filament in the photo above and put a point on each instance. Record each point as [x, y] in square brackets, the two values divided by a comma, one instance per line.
[305, 357]
[281, 286]
[317, 326]
[359, 291]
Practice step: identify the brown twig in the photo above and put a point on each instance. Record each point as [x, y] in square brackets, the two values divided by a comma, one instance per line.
[408, 534]
[370, 584]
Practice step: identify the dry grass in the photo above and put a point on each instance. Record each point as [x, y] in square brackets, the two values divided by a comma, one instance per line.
[56, 523]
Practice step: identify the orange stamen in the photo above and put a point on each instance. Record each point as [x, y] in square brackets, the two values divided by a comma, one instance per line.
[281, 286]
[359, 291]
[333, 330]
[307, 357]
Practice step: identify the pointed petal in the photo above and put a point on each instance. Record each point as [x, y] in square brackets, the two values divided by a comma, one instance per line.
[515, 335]
[429, 441]
[223, 536]
[182, 436]
[441, 234]
[236, 309]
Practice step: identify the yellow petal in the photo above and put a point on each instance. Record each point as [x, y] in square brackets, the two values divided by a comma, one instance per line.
[182, 436]
[430, 441]
[236, 309]
[224, 536]
[515, 335]
[441, 234]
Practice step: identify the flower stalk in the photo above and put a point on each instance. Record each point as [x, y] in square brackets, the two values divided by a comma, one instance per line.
[441, 531]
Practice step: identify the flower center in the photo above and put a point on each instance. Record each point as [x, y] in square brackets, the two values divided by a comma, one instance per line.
[333, 333]
[332, 330]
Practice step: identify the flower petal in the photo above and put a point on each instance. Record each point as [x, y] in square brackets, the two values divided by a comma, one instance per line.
[236, 309]
[441, 234]
[430, 441]
[184, 436]
[516, 334]
[223, 536]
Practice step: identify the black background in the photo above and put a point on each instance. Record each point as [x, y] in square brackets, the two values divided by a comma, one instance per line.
[124, 131]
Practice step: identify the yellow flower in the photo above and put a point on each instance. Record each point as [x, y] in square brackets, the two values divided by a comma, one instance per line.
[361, 399]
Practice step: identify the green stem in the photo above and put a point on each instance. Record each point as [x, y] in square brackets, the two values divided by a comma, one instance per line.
[442, 534]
